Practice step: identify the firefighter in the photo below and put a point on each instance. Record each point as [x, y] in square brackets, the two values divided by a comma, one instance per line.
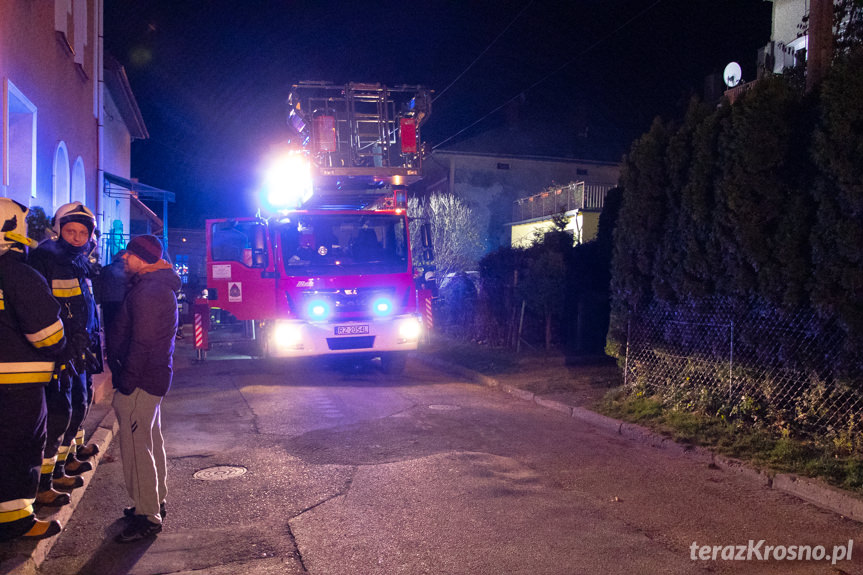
[64, 263]
[32, 335]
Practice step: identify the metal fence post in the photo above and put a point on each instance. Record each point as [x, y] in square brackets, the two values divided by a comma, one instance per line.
[626, 356]
[731, 364]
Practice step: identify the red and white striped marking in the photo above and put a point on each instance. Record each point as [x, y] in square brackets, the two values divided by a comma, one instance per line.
[199, 331]
[428, 314]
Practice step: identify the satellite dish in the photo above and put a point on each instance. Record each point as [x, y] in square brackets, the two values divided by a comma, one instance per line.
[732, 74]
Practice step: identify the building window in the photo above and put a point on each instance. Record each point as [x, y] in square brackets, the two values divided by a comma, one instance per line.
[580, 172]
[181, 266]
[502, 166]
[17, 145]
[60, 185]
[79, 182]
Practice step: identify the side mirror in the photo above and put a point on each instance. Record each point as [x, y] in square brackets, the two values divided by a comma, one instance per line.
[259, 247]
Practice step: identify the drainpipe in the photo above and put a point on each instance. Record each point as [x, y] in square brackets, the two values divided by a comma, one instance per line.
[100, 116]
[165, 222]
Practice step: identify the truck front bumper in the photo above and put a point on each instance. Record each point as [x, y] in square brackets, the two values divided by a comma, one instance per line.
[298, 338]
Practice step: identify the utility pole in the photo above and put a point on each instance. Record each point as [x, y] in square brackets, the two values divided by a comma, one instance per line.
[820, 51]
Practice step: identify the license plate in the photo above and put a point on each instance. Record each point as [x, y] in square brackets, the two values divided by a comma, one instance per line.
[351, 329]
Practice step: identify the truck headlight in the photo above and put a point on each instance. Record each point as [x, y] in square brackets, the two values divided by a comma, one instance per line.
[409, 329]
[288, 335]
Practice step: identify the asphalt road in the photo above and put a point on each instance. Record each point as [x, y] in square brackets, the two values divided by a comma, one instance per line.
[351, 471]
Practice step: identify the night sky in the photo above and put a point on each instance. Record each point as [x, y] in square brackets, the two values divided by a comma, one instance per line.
[211, 77]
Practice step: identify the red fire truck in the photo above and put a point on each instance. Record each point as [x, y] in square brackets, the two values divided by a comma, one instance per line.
[329, 270]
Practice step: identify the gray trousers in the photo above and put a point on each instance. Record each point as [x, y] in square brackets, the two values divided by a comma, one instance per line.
[142, 450]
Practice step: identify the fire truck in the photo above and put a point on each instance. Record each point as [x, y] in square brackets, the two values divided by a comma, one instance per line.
[328, 270]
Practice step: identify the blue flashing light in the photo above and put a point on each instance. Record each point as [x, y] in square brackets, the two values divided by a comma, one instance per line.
[319, 309]
[382, 307]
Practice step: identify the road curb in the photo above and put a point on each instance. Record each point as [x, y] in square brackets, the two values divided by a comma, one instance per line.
[25, 557]
[817, 493]
[814, 491]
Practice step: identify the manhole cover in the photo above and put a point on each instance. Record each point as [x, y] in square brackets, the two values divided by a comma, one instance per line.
[220, 472]
[443, 407]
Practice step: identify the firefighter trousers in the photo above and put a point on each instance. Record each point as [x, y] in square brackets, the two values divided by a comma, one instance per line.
[22, 438]
[58, 397]
[80, 397]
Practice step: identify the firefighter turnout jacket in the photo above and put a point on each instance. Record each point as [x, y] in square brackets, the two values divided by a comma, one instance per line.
[30, 326]
[32, 336]
[67, 275]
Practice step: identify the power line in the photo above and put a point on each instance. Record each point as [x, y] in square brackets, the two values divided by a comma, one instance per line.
[552, 73]
[517, 16]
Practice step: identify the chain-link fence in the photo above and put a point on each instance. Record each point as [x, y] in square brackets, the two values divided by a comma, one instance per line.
[795, 372]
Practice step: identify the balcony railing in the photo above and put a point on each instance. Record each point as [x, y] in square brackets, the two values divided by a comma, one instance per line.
[576, 196]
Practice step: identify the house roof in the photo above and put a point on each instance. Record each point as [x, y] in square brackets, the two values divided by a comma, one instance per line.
[539, 139]
[118, 84]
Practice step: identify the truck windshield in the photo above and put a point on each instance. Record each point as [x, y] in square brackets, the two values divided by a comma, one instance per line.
[343, 244]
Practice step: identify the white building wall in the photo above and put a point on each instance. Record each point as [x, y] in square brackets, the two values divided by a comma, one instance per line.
[42, 64]
[787, 17]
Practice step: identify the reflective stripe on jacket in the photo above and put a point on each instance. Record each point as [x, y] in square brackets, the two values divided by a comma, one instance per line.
[30, 327]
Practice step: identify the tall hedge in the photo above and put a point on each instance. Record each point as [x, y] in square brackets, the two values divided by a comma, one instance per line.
[642, 219]
[759, 200]
[837, 238]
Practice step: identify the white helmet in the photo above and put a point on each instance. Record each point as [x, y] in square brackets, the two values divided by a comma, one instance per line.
[74, 212]
[13, 226]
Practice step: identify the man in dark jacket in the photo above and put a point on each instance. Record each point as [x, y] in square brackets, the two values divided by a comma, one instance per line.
[140, 355]
[33, 337]
[110, 290]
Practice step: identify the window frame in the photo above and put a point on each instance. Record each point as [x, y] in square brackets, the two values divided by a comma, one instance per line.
[15, 109]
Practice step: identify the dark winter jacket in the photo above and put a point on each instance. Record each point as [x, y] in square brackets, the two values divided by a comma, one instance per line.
[68, 275]
[112, 283]
[141, 351]
[30, 328]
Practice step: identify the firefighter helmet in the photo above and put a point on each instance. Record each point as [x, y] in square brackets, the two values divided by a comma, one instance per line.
[74, 212]
[13, 226]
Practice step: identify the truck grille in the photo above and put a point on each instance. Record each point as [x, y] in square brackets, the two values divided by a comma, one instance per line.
[354, 304]
[343, 343]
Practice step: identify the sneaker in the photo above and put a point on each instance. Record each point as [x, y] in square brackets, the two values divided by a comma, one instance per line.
[77, 467]
[85, 453]
[139, 528]
[67, 483]
[130, 511]
[52, 498]
[43, 530]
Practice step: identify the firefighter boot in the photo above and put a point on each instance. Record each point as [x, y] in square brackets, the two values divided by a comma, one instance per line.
[48, 497]
[75, 466]
[43, 530]
[86, 452]
[64, 482]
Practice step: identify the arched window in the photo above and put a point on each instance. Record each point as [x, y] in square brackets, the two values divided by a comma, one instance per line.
[61, 189]
[17, 144]
[79, 183]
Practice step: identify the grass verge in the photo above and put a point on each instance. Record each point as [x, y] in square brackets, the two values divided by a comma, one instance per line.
[761, 448]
